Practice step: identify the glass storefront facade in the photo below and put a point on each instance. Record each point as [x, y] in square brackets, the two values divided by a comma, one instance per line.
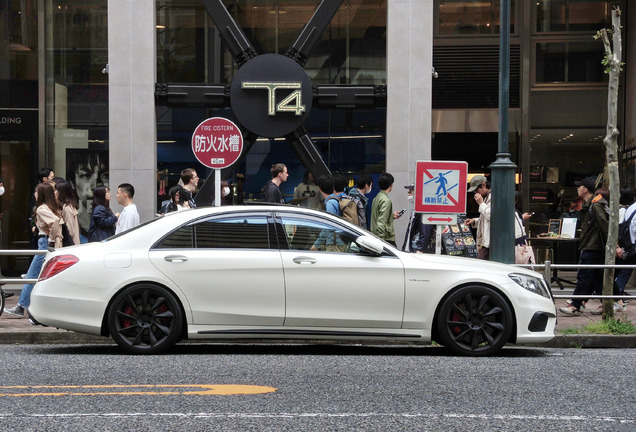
[76, 96]
[352, 51]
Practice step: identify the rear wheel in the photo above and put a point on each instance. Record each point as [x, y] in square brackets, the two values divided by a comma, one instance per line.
[145, 319]
[474, 321]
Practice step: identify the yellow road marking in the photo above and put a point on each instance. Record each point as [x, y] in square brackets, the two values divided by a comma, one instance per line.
[203, 390]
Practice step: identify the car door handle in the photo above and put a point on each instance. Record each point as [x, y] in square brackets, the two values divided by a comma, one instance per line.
[304, 260]
[175, 258]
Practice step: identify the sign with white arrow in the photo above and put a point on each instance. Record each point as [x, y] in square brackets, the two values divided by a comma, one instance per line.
[439, 219]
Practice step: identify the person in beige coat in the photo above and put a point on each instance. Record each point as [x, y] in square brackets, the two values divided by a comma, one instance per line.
[48, 222]
[68, 203]
[481, 187]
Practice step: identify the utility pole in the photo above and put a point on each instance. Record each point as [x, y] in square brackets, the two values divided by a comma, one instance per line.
[502, 231]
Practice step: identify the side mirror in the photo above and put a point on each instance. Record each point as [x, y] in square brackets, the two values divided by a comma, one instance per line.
[370, 245]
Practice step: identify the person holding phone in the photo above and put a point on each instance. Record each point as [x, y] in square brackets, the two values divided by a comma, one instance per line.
[382, 214]
[481, 187]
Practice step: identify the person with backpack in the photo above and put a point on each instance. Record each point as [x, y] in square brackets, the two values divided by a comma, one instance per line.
[329, 240]
[594, 226]
[364, 184]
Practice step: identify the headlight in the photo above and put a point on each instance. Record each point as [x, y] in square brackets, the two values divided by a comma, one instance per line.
[533, 284]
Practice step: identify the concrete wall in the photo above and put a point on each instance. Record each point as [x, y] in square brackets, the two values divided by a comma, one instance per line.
[131, 88]
[409, 82]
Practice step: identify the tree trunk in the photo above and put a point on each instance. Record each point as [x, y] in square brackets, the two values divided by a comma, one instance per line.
[611, 151]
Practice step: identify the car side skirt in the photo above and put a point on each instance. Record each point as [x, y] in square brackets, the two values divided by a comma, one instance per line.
[196, 332]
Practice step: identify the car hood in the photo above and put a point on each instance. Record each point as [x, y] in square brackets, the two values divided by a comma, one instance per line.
[472, 264]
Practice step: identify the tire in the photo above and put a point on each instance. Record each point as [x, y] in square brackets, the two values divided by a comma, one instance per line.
[474, 321]
[145, 319]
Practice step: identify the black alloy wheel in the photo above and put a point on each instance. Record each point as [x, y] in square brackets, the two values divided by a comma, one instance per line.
[474, 321]
[145, 319]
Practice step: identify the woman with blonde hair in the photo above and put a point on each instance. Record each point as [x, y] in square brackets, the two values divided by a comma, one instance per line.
[48, 221]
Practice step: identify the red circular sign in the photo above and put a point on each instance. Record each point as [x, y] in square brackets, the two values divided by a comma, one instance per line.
[217, 142]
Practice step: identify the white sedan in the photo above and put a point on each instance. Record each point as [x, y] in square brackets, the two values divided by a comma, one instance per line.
[283, 272]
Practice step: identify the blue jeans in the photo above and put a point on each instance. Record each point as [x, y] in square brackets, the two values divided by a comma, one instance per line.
[588, 279]
[623, 275]
[33, 273]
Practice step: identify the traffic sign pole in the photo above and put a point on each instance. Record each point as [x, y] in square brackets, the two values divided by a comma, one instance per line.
[217, 187]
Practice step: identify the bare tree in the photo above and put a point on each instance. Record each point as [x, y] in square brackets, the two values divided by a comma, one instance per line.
[613, 66]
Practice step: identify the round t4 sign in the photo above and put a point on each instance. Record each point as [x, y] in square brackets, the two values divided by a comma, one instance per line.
[217, 142]
[440, 186]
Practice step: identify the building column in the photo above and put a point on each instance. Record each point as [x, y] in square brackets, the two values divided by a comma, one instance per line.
[131, 88]
[409, 85]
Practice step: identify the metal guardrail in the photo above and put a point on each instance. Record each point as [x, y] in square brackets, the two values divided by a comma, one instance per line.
[18, 252]
[548, 268]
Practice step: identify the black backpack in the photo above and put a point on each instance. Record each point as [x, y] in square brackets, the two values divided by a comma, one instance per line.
[625, 237]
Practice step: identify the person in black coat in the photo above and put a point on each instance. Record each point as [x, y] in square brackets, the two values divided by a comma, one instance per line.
[102, 218]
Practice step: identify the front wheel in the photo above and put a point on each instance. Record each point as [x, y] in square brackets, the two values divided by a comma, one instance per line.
[474, 321]
[145, 319]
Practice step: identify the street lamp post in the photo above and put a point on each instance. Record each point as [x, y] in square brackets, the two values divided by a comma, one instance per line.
[502, 231]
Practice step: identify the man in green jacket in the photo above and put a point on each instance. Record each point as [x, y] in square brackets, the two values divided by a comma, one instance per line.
[594, 225]
[382, 214]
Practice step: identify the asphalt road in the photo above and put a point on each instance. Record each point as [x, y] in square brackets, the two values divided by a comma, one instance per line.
[310, 388]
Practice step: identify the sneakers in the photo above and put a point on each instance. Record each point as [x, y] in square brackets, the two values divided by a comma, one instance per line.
[570, 310]
[619, 308]
[17, 310]
[581, 308]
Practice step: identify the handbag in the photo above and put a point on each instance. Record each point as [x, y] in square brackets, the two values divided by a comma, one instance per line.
[523, 252]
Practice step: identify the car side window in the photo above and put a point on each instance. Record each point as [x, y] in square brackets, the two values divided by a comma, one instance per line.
[239, 232]
[179, 239]
[305, 234]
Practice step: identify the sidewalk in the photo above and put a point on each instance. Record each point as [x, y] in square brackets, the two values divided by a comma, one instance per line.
[14, 330]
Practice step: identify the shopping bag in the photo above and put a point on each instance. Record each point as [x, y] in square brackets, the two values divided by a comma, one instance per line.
[524, 254]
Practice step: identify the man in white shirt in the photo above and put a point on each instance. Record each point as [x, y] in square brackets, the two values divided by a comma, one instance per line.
[129, 217]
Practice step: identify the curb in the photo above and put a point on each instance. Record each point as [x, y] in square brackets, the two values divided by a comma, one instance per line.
[72, 338]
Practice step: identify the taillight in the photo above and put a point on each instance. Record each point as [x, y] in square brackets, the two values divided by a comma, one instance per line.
[57, 265]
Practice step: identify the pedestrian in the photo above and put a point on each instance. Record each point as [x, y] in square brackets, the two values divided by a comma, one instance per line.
[594, 225]
[481, 187]
[520, 219]
[45, 175]
[419, 237]
[190, 181]
[307, 193]
[226, 198]
[102, 218]
[382, 214]
[129, 217]
[364, 184]
[271, 190]
[328, 240]
[48, 221]
[176, 201]
[67, 200]
[622, 276]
